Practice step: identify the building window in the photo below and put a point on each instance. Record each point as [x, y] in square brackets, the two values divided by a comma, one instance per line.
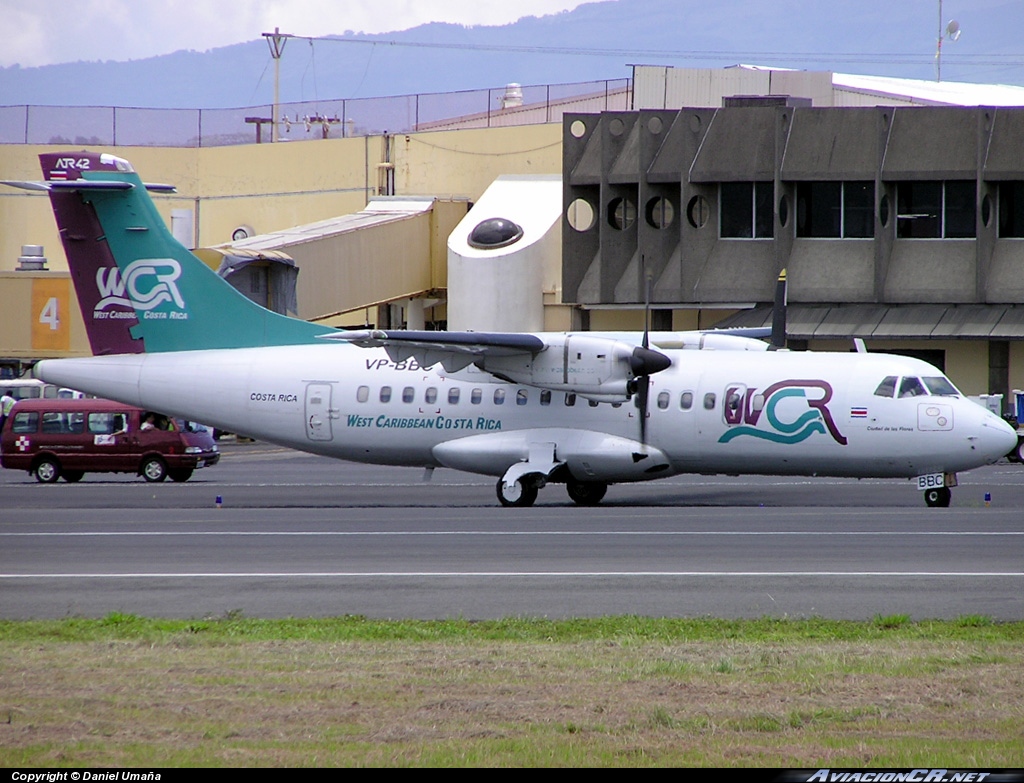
[1011, 209]
[936, 210]
[839, 210]
[746, 210]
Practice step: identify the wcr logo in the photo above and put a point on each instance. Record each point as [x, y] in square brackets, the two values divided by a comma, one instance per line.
[148, 282]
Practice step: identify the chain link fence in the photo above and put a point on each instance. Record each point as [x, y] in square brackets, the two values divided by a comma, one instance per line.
[134, 127]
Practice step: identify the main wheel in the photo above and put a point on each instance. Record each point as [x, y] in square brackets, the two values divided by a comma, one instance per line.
[586, 493]
[518, 494]
[71, 476]
[938, 497]
[47, 471]
[181, 474]
[154, 469]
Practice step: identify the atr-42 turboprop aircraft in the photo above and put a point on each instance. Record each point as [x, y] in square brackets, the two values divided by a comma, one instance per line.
[584, 409]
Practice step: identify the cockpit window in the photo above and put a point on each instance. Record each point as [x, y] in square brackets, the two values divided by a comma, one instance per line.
[940, 385]
[887, 387]
[912, 387]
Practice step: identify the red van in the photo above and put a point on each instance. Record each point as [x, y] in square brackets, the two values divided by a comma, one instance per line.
[51, 438]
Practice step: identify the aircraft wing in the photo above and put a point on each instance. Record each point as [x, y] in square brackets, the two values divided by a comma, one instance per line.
[452, 350]
[594, 366]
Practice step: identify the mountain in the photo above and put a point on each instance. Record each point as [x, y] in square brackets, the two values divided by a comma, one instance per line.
[596, 41]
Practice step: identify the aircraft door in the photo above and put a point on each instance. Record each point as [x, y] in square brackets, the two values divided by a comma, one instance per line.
[318, 411]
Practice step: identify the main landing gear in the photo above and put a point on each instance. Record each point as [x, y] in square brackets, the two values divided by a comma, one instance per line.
[523, 492]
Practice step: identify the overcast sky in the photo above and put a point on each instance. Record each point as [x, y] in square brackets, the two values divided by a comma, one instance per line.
[44, 32]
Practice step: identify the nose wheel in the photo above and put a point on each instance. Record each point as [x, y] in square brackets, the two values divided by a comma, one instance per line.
[938, 497]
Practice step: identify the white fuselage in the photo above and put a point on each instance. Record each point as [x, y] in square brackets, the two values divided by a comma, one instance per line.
[796, 413]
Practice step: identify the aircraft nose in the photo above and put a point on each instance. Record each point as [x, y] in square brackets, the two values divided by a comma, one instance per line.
[997, 437]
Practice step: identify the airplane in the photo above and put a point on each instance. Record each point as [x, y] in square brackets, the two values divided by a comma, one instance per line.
[586, 409]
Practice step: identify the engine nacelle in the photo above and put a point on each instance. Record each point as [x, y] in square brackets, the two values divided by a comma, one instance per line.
[594, 367]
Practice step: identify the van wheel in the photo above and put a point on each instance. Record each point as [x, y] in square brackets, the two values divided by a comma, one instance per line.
[71, 476]
[154, 469]
[47, 471]
[183, 474]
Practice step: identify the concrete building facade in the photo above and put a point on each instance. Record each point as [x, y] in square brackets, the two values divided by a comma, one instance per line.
[899, 225]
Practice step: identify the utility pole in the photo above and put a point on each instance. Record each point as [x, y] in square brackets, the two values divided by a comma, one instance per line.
[276, 41]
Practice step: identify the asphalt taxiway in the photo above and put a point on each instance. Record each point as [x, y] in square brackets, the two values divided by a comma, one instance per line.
[298, 535]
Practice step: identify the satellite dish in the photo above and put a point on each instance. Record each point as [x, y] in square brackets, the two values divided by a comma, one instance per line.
[953, 30]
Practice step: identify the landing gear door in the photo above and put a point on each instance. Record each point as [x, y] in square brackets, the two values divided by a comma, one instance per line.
[318, 411]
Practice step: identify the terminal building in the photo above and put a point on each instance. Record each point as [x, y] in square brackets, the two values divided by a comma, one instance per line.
[896, 207]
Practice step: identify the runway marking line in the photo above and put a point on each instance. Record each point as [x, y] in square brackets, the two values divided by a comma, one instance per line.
[519, 574]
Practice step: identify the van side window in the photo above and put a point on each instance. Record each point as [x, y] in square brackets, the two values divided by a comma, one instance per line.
[107, 423]
[26, 421]
[62, 424]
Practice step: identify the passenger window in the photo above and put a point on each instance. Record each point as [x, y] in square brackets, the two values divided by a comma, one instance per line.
[887, 387]
[912, 387]
[408, 394]
[385, 394]
[592, 403]
[570, 399]
[476, 396]
[663, 398]
[545, 397]
[499, 396]
[521, 397]
[453, 395]
[709, 401]
[362, 394]
[686, 400]
[430, 396]
[25, 422]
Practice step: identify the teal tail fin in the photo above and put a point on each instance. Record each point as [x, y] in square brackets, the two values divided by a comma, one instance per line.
[171, 299]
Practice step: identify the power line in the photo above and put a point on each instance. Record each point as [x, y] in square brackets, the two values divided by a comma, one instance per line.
[886, 58]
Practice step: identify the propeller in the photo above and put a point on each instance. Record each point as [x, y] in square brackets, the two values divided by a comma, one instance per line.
[644, 380]
[778, 339]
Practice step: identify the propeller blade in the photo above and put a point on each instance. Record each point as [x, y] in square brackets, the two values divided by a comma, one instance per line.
[778, 339]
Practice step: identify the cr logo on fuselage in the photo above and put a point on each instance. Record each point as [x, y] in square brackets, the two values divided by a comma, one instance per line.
[794, 410]
[145, 285]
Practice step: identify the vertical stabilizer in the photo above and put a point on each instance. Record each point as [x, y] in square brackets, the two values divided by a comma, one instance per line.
[138, 287]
